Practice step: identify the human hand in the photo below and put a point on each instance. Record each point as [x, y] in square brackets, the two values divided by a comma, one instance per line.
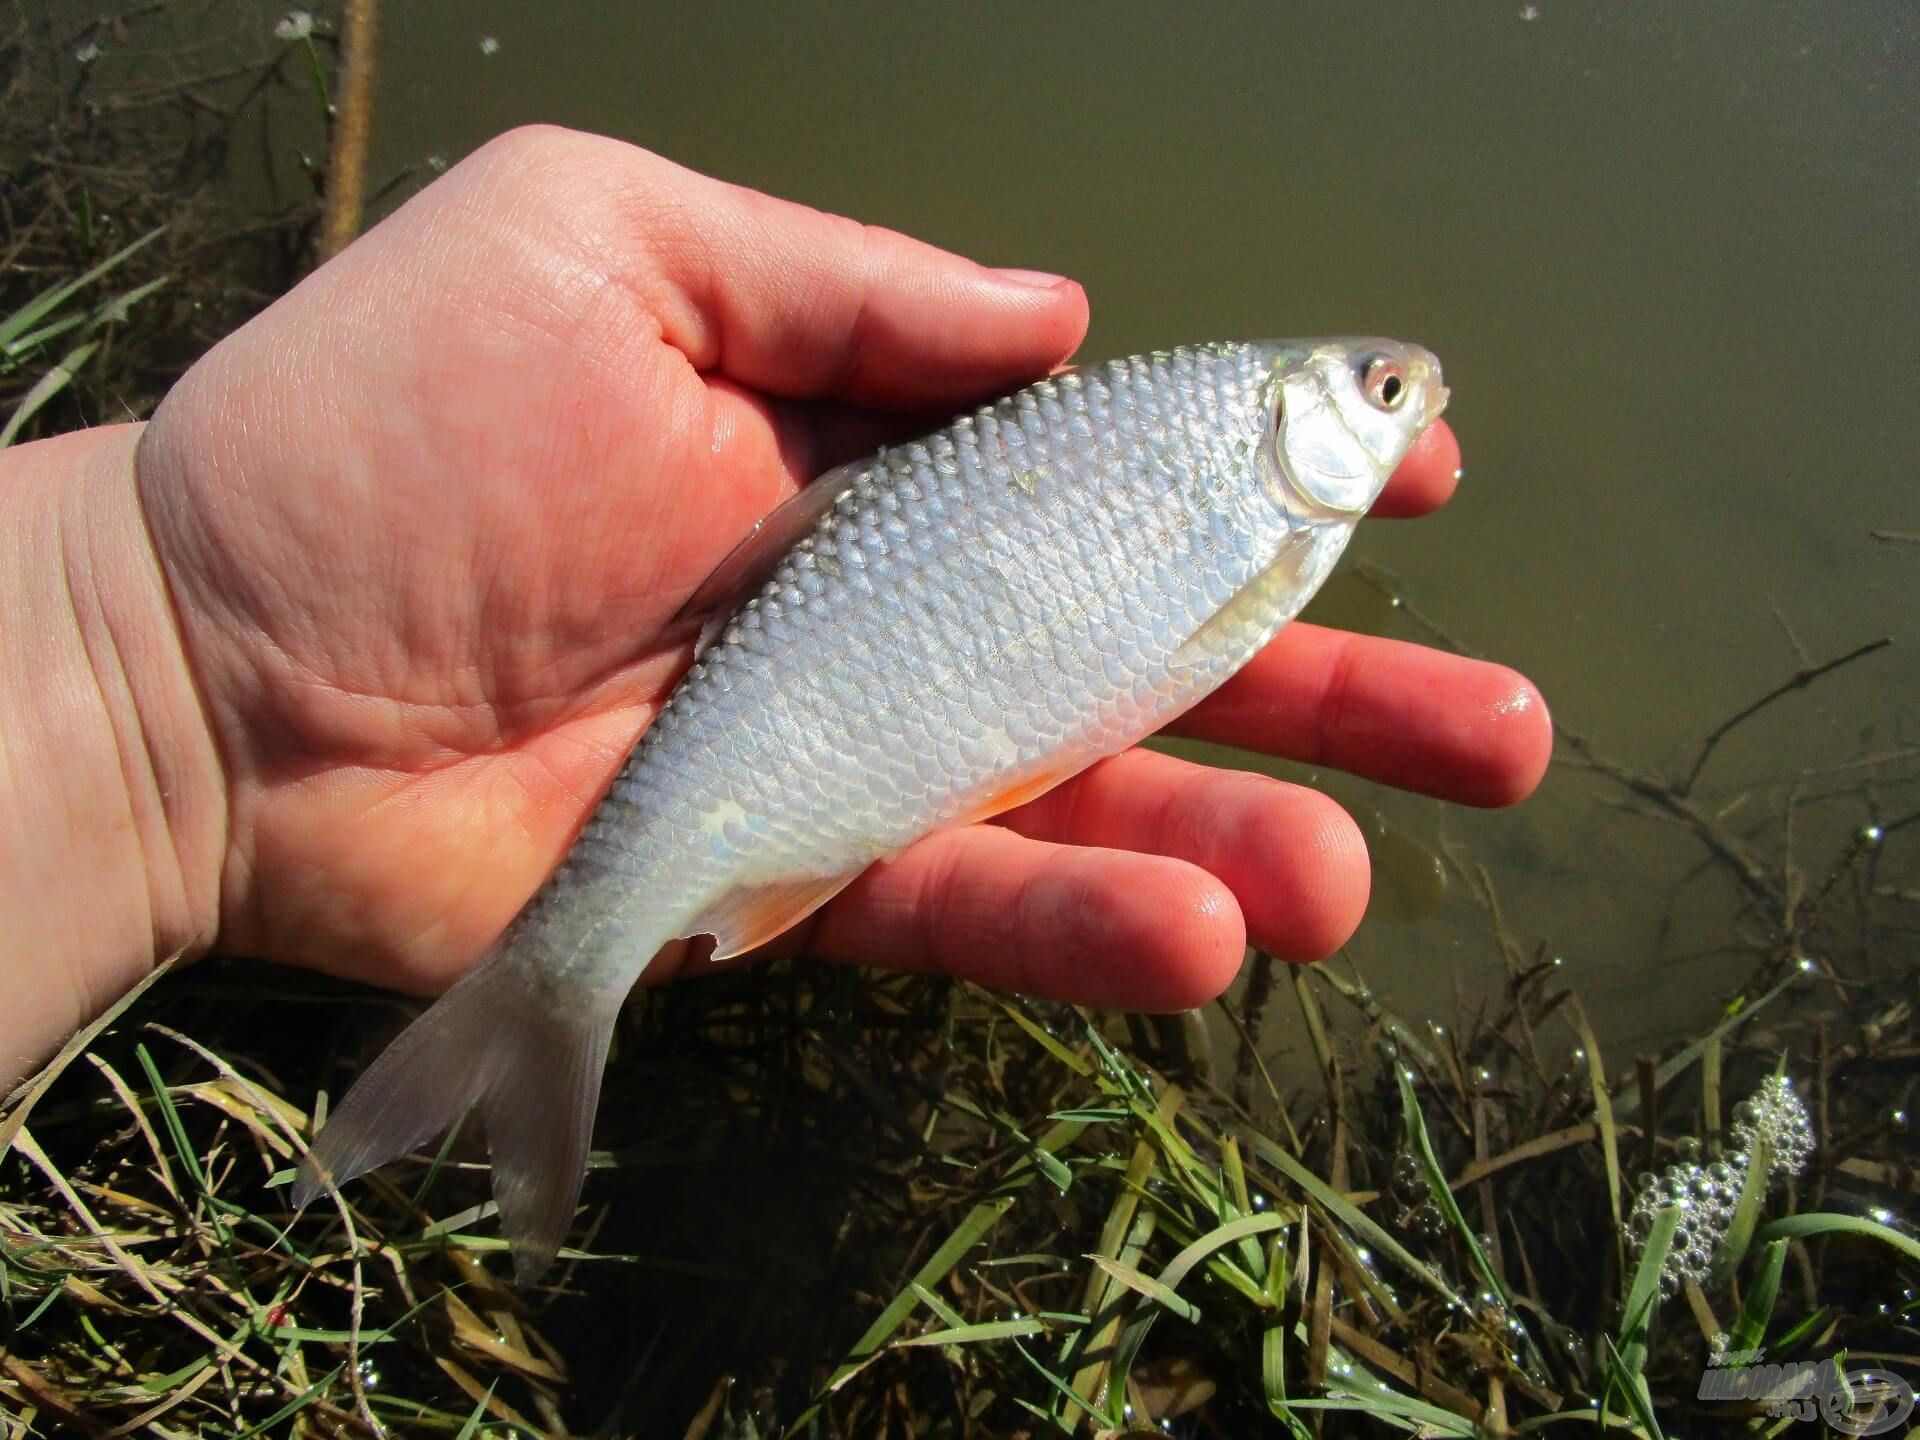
[425, 521]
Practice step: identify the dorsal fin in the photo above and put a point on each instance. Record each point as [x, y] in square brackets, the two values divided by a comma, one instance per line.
[747, 566]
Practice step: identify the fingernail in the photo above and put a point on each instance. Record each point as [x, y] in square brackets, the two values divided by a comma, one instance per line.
[1037, 279]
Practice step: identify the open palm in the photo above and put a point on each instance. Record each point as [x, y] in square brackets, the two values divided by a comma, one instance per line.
[426, 522]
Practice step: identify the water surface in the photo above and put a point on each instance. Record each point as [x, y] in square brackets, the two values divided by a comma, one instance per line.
[1664, 251]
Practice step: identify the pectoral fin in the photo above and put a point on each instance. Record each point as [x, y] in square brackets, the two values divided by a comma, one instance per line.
[1252, 606]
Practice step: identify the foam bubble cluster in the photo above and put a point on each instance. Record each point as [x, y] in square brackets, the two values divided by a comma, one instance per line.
[1776, 1116]
[1706, 1195]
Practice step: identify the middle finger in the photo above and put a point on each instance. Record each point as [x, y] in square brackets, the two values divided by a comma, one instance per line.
[1293, 859]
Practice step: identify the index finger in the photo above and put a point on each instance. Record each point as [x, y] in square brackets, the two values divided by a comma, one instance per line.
[1426, 478]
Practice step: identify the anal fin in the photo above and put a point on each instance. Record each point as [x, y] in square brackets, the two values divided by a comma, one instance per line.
[748, 916]
[751, 915]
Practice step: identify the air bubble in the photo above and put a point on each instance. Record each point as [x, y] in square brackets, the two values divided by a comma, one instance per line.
[1707, 1197]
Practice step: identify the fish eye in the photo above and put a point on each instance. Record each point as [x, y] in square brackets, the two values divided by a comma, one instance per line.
[1384, 383]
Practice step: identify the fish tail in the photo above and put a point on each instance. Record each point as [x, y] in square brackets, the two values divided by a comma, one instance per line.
[529, 1059]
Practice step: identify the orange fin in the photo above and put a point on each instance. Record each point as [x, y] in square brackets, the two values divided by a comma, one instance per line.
[754, 914]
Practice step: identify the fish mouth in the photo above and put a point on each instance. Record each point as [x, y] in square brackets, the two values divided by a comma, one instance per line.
[1436, 402]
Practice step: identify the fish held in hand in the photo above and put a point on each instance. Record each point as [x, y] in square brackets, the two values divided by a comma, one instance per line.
[934, 635]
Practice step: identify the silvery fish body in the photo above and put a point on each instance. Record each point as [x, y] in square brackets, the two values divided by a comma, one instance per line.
[948, 629]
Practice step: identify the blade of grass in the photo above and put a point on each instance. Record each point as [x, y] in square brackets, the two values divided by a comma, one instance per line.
[1044, 1038]
[1437, 1186]
[177, 1132]
[1273, 1378]
[1643, 1298]
[1603, 1121]
[1805, 1328]
[1236, 1179]
[973, 1334]
[1066, 1391]
[1049, 1164]
[1746, 1212]
[472, 1425]
[1232, 1233]
[1396, 1409]
[1633, 1385]
[1351, 1216]
[27, 1096]
[1158, 1292]
[30, 314]
[1710, 1058]
[949, 1316]
[34, 339]
[1750, 1329]
[1628, 1099]
[1805, 1227]
[110, 311]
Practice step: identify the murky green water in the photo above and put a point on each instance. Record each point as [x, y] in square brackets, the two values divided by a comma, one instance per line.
[1665, 252]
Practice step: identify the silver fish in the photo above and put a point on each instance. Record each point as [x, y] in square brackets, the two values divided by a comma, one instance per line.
[935, 634]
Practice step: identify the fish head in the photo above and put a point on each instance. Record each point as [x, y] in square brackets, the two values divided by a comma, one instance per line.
[1344, 413]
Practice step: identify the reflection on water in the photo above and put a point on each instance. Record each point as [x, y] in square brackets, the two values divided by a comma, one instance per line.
[1663, 252]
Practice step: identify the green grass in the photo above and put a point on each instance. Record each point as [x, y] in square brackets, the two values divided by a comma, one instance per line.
[62, 313]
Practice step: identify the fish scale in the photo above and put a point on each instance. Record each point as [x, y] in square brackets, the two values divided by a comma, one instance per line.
[939, 632]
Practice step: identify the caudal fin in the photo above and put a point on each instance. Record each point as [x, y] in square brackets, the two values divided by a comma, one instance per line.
[529, 1061]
